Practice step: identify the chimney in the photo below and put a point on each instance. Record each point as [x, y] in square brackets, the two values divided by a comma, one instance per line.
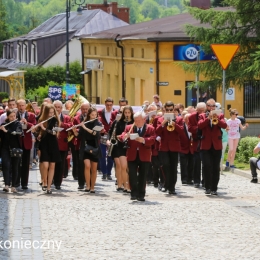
[202, 4]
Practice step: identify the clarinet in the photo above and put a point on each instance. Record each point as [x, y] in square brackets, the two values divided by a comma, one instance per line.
[126, 141]
[113, 141]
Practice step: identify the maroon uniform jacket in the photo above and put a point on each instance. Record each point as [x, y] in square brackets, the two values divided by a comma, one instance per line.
[170, 141]
[186, 141]
[145, 150]
[211, 135]
[63, 135]
[113, 116]
[27, 137]
[102, 119]
[193, 129]
[155, 147]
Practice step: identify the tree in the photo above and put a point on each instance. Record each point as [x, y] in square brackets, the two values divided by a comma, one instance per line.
[240, 25]
[3, 26]
[151, 9]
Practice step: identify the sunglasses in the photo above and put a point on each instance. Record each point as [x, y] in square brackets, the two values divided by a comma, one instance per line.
[169, 109]
[211, 105]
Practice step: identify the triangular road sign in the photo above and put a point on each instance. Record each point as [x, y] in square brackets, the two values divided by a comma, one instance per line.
[224, 53]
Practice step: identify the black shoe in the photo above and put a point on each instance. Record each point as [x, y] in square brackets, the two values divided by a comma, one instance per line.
[190, 182]
[87, 190]
[109, 177]
[133, 198]
[57, 187]
[184, 182]
[172, 192]
[49, 192]
[120, 189]
[116, 182]
[141, 199]
[196, 185]
[17, 185]
[75, 178]
[203, 185]
[92, 191]
[163, 190]
[40, 183]
[254, 180]
[81, 187]
[44, 188]
[155, 185]
[208, 192]
[104, 177]
[65, 176]
[24, 187]
[214, 193]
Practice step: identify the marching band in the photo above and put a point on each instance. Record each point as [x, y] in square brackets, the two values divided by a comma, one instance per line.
[145, 146]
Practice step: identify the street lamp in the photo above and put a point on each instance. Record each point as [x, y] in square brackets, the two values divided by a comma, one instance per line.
[79, 10]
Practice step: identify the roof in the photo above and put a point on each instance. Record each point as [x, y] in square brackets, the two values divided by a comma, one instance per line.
[6, 74]
[12, 64]
[167, 28]
[91, 21]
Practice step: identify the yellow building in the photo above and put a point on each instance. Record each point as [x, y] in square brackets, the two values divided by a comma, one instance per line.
[138, 61]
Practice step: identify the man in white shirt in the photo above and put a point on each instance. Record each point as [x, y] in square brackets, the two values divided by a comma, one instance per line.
[11, 105]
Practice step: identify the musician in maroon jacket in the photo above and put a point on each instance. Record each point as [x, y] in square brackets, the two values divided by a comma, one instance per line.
[106, 162]
[74, 144]
[196, 135]
[27, 120]
[170, 146]
[139, 154]
[122, 103]
[63, 144]
[211, 146]
[186, 154]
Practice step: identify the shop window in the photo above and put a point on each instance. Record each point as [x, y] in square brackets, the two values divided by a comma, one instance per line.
[191, 95]
[252, 99]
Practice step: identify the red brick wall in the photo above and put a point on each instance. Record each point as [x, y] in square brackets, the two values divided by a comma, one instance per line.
[112, 8]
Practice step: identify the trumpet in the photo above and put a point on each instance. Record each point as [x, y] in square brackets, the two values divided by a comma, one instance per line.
[75, 126]
[170, 126]
[215, 121]
[33, 127]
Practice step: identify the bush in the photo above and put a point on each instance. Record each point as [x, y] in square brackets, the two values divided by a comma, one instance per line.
[246, 147]
[3, 95]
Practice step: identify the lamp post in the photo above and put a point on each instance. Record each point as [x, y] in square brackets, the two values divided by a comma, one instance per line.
[79, 10]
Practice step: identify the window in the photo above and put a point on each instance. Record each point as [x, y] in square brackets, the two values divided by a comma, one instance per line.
[191, 95]
[116, 52]
[107, 51]
[95, 50]
[89, 49]
[142, 53]
[252, 99]
[132, 52]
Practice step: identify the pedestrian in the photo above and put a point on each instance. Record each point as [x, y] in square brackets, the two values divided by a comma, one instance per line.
[89, 138]
[10, 138]
[48, 145]
[255, 164]
[234, 124]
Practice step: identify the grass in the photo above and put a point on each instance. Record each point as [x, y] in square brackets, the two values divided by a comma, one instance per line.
[238, 165]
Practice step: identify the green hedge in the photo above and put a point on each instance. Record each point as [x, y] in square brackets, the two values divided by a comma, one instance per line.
[245, 148]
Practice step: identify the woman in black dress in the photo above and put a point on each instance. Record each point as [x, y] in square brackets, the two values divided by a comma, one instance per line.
[10, 138]
[119, 150]
[48, 145]
[91, 137]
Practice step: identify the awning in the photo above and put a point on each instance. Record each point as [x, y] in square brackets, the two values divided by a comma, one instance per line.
[85, 71]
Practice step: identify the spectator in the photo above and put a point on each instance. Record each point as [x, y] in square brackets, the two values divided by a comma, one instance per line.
[255, 164]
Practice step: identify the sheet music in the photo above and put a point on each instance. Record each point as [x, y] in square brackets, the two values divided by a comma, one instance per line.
[57, 129]
[98, 128]
[169, 116]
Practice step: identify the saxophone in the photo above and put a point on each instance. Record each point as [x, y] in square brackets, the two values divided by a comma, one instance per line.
[113, 141]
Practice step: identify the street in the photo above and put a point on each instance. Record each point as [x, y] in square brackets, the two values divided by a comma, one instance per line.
[72, 224]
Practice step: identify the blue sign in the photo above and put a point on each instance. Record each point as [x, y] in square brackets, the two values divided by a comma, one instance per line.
[151, 70]
[55, 92]
[190, 52]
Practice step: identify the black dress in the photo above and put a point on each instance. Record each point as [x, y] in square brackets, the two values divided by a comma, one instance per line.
[49, 144]
[91, 139]
[118, 150]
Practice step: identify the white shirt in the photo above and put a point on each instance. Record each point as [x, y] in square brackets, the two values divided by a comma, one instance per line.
[233, 132]
[189, 134]
[2, 118]
[108, 116]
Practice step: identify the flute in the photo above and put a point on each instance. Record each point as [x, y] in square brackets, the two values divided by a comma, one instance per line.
[33, 127]
[10, 122]
[80, 124]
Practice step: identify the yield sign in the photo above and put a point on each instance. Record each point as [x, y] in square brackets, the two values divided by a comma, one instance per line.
[224, 53]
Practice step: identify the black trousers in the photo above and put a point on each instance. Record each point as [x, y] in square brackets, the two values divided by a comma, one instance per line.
[75, 159]
[170, 163]
[137, 176]
[197, 167]
[156, 169]
[66, 167]
[59, 169]
[9, 167]
[186, 163]
[23, 172]
[211, 161]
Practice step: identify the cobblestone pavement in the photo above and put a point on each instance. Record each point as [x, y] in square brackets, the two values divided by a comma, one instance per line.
[107, 225]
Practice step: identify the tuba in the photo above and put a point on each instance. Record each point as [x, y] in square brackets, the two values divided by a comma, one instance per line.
[74, 109]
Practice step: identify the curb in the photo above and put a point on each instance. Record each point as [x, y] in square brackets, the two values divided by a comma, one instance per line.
[246, 174]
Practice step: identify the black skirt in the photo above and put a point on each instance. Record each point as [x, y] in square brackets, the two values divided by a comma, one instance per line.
[89, 156]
